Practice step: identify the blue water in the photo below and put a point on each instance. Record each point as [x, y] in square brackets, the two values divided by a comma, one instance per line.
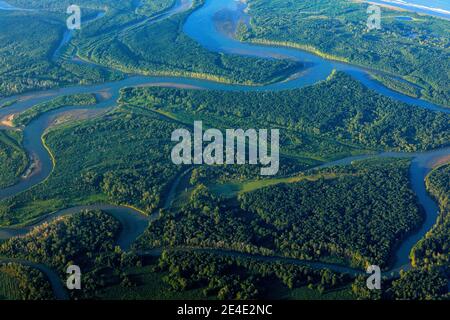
[404, 18]
[200, 27]
[438, 8]
[69, 34]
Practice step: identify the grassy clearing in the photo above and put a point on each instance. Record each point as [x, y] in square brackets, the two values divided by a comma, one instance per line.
[234, 188]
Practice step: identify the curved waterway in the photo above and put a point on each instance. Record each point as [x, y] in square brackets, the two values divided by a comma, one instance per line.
[201, 27]
[59, 291]
[437, 8]
[69, 34]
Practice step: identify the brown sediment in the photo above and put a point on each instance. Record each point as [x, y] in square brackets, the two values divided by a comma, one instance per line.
[104, 95]
[8, 121]
[76, 115]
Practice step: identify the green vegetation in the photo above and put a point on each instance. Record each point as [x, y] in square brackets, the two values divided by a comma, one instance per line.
[234, 188]
[18, 282]
[434, 249]
[82, 99]
[428, 279]
[86, 239]
[114, 41]
[13, 159]
[420, 285]
[121, 158]
[416, 50]
[146, 283]
[414, 284]
[362, 292]
[145, 6]
[33, 59]
[77, 239]
[228, 277]
[317, 218]
[438, 185]
[353, 215]
[168, 51]
[327, 120]
[231, 179]
[398, 85]
[212, 276]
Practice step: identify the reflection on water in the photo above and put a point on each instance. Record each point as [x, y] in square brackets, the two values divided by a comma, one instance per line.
[200, 26]
[421, 166]
[68, 34]
[404, 18]
[6, 6]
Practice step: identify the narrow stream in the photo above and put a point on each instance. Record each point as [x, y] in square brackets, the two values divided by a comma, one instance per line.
[200, 26]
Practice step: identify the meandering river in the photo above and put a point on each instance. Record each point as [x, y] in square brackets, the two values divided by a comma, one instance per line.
[200, 26]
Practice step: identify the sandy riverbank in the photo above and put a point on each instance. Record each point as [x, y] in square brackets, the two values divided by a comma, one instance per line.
[8, 121]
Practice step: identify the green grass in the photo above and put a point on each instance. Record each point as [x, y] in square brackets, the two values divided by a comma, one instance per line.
[151, 7]
[149, 286]
[234, 188]
[7, 104]
[26, 56]
[115, 159]
[162, 49]
[279, 291]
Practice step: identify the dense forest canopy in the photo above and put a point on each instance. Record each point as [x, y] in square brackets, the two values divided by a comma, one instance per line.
[222, 232]
[122, 158]
[168, 51]
[13, 159]
[19, 282]
[306, 220]
[34, 112]
[416, 50]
